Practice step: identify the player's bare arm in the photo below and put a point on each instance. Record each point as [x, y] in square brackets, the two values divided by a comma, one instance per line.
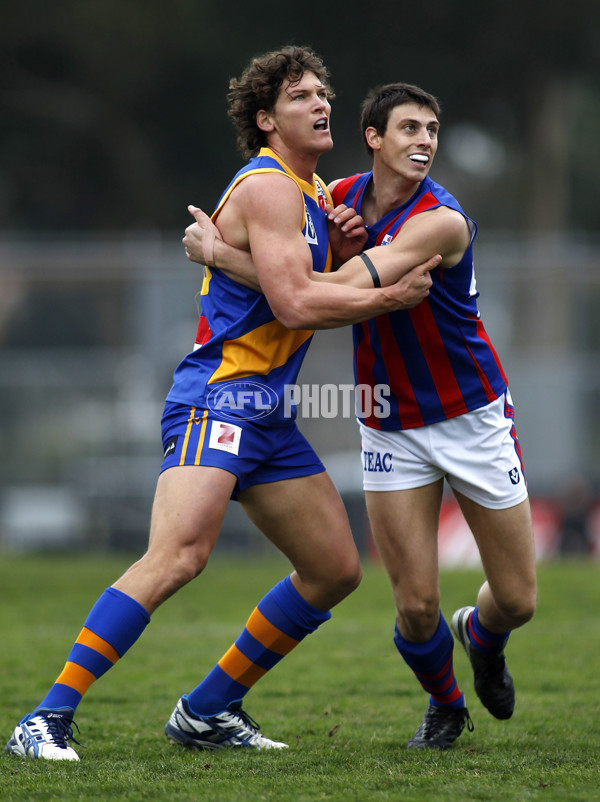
[203, 244]
[239, 266]
[283, 263]
[441, 231]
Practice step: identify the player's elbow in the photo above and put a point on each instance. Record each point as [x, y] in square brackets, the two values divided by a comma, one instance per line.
[296, 322]
[293, 314]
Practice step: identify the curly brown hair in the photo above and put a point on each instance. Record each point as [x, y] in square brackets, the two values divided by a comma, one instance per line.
[258, 88]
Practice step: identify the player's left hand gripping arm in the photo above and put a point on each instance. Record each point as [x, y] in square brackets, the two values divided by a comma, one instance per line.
[347, 233]
[203, 244]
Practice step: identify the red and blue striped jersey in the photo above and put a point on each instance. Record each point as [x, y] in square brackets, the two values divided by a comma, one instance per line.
[436, 359]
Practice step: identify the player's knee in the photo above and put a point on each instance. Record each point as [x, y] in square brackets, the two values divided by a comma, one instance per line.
[345, 576]
[177, 569]
[419, 616]
[354, 576]
[349, 575]
[518, 609]
[191, 562]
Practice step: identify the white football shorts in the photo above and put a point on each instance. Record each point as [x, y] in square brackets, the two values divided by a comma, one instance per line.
[478, 453]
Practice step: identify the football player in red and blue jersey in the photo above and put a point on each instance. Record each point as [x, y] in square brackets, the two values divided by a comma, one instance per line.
[451, 418]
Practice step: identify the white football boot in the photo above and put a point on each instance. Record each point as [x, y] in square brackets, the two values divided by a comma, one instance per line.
[231, 728]
[44, 735]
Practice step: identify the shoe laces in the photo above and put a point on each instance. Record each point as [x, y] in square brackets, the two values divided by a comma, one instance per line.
[236, 709]
[60, 730]
[468, 721]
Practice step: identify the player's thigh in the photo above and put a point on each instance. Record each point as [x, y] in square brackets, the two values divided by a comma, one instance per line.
[306, 519]
[187, 514]
[189, 507]
[505, 541]
[404, 524]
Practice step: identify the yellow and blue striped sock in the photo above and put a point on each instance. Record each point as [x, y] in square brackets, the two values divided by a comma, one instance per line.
[276, 626]
[114, 624]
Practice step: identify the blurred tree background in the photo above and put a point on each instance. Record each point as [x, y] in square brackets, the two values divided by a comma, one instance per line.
[114, 114]
[114, 119]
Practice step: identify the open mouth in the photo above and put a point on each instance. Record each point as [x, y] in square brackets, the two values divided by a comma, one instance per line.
[321, 125]
[419, 158]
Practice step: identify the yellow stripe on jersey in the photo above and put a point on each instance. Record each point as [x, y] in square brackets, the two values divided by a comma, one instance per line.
[303, 186]
[308, 189]
[206, 281]
[258, 171]
[259, 351]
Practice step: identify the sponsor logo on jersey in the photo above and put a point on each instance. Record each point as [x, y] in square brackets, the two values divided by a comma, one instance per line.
[387, 239]
[310, 234]
[225, 437]
[375, 462]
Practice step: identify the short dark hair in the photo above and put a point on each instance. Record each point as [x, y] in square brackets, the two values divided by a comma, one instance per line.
[379, 103]
[258, 88]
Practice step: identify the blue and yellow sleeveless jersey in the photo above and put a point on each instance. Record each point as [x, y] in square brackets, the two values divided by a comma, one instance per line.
[244, 357]
[436, 359]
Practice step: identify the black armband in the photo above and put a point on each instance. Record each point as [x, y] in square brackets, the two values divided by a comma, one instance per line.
[371, 269]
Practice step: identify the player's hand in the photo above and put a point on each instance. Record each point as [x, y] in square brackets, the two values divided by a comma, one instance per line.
[414, 286]
[347, 232]
[199, 239]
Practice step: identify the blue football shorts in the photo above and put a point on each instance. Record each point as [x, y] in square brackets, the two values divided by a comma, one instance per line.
[255, 454]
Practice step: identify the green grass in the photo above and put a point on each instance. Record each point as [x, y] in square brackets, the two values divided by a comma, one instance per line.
[344, 700]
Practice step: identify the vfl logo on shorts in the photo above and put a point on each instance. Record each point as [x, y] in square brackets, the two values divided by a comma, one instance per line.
[514, 476]
[225, 437]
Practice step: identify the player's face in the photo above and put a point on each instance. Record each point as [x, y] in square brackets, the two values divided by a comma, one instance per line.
[301, 115]
[410, 141]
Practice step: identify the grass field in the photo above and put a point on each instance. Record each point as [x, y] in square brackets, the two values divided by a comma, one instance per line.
[344, 700]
